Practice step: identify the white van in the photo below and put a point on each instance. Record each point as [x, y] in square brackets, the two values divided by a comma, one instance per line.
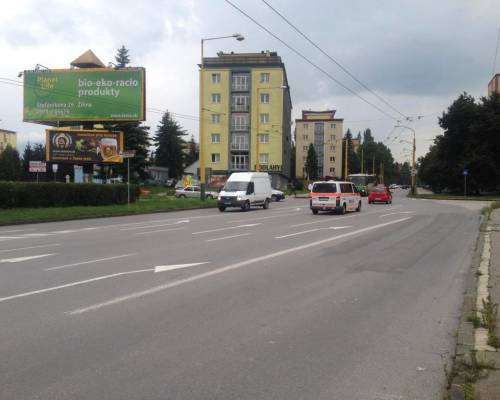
[246, 189]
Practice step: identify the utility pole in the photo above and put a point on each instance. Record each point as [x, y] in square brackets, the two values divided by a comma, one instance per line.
[373, 165]
[362, 159]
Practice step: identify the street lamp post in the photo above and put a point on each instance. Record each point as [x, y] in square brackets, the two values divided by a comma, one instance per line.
[414, 169]
[239, 38]
[257, 135]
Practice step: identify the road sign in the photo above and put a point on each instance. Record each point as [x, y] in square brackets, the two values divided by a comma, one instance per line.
[37, 166]
[127, 153]
[413, 172]
[465, 173]
[54, 168]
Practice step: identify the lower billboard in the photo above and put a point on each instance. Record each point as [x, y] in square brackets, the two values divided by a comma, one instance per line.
[83, 146]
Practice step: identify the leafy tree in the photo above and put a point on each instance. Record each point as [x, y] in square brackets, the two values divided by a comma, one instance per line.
[10, 165]
[169, 146]
[122, 57]
[312, 163]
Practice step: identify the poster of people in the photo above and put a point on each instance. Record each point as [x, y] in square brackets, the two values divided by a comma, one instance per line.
[83, 146]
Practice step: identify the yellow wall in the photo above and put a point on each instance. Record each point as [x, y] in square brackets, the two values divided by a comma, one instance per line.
[275, 110]
[7, 138]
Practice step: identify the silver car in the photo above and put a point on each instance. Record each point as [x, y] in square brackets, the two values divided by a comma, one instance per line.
[194, 192]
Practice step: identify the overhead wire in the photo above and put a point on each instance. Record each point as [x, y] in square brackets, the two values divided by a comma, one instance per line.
[333, 60]
[298, 53]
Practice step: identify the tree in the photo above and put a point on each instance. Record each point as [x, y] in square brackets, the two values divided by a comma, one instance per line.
[192, 151]
[353, 163]
[169, 146]
[122, 57]
[312, 163]
[35, 153]
[10, 165]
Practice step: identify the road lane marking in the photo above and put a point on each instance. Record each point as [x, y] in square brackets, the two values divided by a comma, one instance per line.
[397, 212]
[227, 228]
[16, 230]
[27, 258]
[261, 218]
[184, 221]
[89, 262]
[51, 289]
[227, 268]
[3, 238]
[313, 230]
[159, 268]
[159, 230]
[227, 237]
[31, 247]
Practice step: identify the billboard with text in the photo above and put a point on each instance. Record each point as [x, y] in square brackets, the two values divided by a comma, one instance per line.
[83, 146]
[89, 94]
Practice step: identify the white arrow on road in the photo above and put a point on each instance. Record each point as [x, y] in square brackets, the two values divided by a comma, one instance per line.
[20, 259]
[183, 221]
[228, 228]
[160, 268]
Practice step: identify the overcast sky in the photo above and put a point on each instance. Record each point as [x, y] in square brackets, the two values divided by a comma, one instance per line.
[419, 55]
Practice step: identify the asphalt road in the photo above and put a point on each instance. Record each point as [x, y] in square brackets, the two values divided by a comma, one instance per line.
[268, 304]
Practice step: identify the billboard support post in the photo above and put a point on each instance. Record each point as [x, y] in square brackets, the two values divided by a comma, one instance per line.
[128, 154]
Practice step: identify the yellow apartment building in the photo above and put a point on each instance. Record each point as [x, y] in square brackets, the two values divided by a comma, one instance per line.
[6, 138]
[494, 85]
[324, 131]
[245, 116]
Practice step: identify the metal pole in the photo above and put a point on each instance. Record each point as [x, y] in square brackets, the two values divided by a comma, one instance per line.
[257, 158]
[465, 185]
[346, 149]
[414, 172]
[202, 141]
[362, 159]
[128, 182]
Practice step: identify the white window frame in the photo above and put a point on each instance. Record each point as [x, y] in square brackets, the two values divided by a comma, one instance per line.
[216, 78]
[239, 142]
[215, 118]
[265, 98]
[265, 77]
[216, 98]
[264, 158]
[215, 158]
[264, 118]
[264, 138]
[240, 122]
[215, 136]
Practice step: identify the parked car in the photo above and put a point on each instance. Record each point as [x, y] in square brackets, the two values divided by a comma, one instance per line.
[245, 189]
[277, 195]
[193, 192]
[380, 194]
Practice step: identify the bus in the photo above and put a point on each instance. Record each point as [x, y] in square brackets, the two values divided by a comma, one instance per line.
[363, 182]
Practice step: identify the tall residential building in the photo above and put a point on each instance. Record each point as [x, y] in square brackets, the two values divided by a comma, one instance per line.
[494, 85]
[246, 97]
[324, 131]
[6, 138]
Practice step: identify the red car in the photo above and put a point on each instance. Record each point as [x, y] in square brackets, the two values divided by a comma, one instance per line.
[380, 194]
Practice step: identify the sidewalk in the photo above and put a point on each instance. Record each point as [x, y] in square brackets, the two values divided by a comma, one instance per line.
[476, 371]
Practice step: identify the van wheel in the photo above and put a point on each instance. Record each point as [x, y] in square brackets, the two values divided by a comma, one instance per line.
[359, 207]
[222, 208]
[246, 206]
[182, 196]
[266, 204]
[274, 198]
[209, 197]
[343, 209]
[315, 212]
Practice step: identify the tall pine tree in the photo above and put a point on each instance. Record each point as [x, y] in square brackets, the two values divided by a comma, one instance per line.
[122, 57]
[10, 165]
[169, 146]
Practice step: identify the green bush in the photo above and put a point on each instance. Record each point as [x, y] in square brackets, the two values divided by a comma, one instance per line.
[28, 194]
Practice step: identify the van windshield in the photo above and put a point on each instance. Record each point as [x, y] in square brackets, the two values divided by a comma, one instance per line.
[235, 186]
[324, 188]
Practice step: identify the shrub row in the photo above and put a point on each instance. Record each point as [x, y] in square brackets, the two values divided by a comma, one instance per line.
[27, 194]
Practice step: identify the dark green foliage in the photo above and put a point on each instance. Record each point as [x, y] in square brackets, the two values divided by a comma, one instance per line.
[122, 57]
[32, 153]
[26, 194]
[192, 151]
[471, 142]
[312, 163]
[169, 146]
[10, 165]
[353, 160]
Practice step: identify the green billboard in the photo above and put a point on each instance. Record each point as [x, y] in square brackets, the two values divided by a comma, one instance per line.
[90, 94]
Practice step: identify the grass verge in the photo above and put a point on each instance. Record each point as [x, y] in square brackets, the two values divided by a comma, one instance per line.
[148, 204]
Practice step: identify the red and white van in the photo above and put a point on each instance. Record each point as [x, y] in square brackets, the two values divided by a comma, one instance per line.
[338, 196]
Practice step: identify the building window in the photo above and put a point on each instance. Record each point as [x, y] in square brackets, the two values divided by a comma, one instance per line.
[264, 138]
[239, 102]
[239, 141]
[215, 137]
[332, 169]
[239, 122]
[332, 159]
[306, 126]
[264, 98]
[264, 118]
[332, 148]
[240, 82]
[215, 118]
[264, 77]
[333, 126]
[215, 157]
[305, 138]
[239, 162]
[215, 78]
[305, 148]
[333, 138]
[215, 97]
[264, 158]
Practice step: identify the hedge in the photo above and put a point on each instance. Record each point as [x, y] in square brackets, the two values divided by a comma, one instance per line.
[28, 194]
